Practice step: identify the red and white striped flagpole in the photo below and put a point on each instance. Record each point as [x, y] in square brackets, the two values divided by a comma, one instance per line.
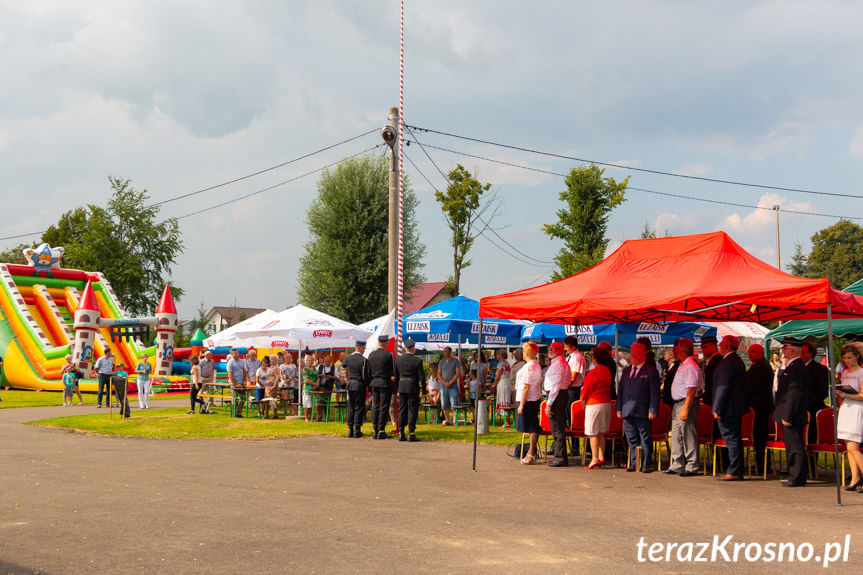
[401, 267]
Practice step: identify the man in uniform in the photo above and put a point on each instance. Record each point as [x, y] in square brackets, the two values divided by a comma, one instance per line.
[759, 390]
[357, 377]
[792, 399]
[729, 404]
[381, 372]
[411, 378]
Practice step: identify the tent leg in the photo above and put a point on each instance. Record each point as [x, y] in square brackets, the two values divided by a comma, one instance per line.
[479, 386]
[833, 404]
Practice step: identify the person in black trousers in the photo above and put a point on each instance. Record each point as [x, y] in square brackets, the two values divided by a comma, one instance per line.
[411, 378]
[759, 392]
[819, 379]
[792, 398]
[358, 375]
[381, 367]
[729, 404]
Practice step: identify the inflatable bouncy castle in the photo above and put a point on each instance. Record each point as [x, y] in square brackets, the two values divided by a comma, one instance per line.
[47, 313]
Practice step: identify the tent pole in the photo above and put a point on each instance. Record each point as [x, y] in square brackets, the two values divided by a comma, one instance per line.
[617, 372]
[833, 404]
[479, 386]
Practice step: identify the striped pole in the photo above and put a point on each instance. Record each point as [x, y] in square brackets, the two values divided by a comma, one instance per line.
[401, 267]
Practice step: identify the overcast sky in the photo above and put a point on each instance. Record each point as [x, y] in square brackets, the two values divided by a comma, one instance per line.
[179, 96]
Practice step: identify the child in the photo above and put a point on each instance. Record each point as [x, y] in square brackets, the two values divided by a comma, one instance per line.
[433, 384]
[76, 389]
[143, 369]
[68, 384]
[310, 382]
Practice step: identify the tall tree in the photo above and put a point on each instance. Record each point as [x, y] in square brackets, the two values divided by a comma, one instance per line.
[344, 269]
[837, 254]
[463, 211]
[582, 222]
[15, 255]
[125, 241]
[648, 232]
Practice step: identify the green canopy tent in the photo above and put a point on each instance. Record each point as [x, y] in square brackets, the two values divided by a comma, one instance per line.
[816, 329]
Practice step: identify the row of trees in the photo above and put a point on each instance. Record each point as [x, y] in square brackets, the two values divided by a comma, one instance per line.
[837, 254]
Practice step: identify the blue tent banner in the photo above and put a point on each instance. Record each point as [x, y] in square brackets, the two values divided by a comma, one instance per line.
[456, 320]
[659, 334]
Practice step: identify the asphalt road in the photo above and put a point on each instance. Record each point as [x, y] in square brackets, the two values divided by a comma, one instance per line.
[73, 503]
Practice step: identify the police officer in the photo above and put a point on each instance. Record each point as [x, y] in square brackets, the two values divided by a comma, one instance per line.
[381, 372]
[792, 398]
[411, 378]
[358, 378]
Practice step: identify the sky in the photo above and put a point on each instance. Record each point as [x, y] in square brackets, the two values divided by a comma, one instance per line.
[181, 96]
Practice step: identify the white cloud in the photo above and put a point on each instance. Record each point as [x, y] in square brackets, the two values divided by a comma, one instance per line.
[695, 169]
[763, 218]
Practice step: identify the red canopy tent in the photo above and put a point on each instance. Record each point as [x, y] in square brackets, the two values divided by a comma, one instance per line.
[704, 276]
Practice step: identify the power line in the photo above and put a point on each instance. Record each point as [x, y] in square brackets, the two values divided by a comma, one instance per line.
[487, 225]
[696, 198]
[241, 178]
[264, 171]
[268, 188]
[645, 170]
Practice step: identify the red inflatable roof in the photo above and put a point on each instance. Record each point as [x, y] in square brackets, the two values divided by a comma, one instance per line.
[88, 299]
[703, 276]
[166, 304]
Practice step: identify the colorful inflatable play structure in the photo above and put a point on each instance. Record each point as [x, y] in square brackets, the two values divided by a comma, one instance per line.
[47, 312]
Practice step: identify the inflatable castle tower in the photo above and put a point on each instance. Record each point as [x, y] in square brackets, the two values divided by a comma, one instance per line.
[166, 327]
[86, 326]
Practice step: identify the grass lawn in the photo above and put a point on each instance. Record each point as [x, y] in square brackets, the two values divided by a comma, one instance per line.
[27, 398]
[174, 423]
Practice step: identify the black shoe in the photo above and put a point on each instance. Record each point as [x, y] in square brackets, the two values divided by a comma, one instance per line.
[358, 433]
[382, 435]
[558, 463]
[855, 486]
[413, 438]
[688, 473]
[669, 471]
[630, 470]
[377, 433]
[351, 432]
[647, 470]
[403, 437]
[789, 483]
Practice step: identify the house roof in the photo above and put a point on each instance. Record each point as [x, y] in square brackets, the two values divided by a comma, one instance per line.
[421, 295]
[234, 314]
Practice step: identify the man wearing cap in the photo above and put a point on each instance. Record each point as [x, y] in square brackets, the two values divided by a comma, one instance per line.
[792, 398]
[729, 404]
[358, 378]
[684, 412]
[381, 372]
[556, 384]
[411, 378]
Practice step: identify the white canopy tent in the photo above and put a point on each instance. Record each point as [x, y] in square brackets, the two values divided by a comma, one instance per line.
[228, 337]
[748, 332]
[301, 327]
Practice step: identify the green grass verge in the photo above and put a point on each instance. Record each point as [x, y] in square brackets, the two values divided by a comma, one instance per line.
[25, 398]
[174, 423]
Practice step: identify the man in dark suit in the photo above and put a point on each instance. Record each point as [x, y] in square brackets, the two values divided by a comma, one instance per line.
[729, 404]
[819, 376]
[358, 379]
[638, 406]
[381, 367]
[759, 392]
[792, 399]
[712, 358]
[411, 378]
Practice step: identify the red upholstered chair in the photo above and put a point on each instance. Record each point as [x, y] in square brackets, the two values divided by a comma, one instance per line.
[825, 440]
[775, 444]
[746, 424]
[704, 427]
[545, 428]
[615, 430]
[576, 425]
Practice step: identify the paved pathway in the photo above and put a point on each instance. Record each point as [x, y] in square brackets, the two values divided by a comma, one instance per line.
[73, 503]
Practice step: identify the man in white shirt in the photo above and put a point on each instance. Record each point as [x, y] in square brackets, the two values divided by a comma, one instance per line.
[556, 383]
[577, 368]
[684, 412]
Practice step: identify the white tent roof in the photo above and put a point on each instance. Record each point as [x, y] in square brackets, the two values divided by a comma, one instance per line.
[747, 331]
[300, 327]
[228, 337]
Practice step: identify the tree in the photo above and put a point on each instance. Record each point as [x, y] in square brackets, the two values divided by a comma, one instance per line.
[344, 269]
[583, 220]
[463, 209]
[799, 265]
[15, 255]
[125, 241]
[648, 232]
[837, 254]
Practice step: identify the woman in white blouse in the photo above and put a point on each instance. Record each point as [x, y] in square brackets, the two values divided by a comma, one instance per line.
[850, 422]
[528, 396]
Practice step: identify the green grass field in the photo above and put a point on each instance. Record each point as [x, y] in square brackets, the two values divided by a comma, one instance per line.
[26, 398]
[174, 423]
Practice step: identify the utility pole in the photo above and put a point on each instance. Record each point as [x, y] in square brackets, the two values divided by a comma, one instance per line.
[390, 135]
[778, 257]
